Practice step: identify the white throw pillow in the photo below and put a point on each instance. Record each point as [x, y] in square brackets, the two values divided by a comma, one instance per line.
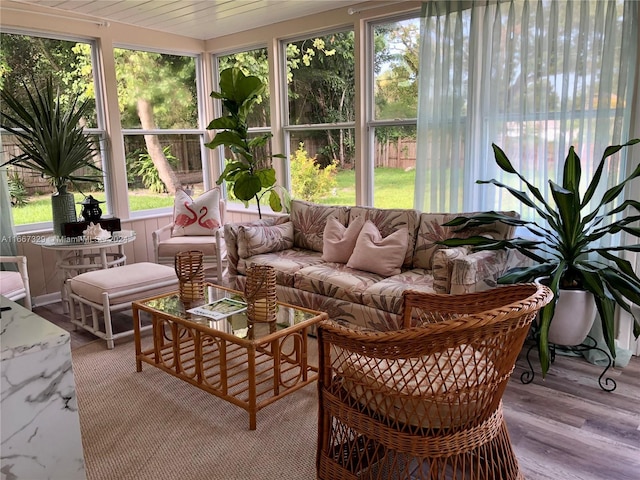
[339, 241]
[375, 254]
[196, 217]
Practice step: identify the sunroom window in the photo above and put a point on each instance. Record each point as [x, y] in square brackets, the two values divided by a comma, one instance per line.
[164, 146]
[320, 117]
[393, 104]
[69, 62]
[253, 62]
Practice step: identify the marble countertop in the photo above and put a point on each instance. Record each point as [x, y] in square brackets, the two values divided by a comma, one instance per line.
[23, 332]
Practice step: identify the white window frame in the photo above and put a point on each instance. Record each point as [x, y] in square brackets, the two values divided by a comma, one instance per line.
[371, 122]
[217, 109]
[99, 131]
[287, 128]
[200, 130]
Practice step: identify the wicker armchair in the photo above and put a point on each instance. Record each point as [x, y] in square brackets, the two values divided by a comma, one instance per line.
[166, 247]
[424, 402]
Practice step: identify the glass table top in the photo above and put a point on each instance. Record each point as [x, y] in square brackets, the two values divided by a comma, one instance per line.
[236, 324]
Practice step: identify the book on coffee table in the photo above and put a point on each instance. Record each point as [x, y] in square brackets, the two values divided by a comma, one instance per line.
[220, 308]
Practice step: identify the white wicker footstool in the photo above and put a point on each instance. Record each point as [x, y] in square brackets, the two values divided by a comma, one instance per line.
[114, 289]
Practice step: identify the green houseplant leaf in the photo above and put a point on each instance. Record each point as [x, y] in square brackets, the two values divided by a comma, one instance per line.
[566, 247]
[246, 186]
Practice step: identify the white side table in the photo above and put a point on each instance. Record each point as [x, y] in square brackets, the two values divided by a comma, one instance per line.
[76, 255]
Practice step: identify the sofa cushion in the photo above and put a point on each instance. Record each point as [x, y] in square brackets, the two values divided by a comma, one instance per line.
[120, 281]
[387, 294]
[412, 390]
[309, 220]
[339, 241]
[231, 238]
[11, 284]
[431, 231]
[285, 262]
[376, 254]
[335, 280]
[257, 239]
[389, 221]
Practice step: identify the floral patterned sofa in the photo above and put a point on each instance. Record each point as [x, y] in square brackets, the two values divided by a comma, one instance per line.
[293, 245]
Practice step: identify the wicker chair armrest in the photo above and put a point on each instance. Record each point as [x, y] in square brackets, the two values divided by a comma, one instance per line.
[157, 236]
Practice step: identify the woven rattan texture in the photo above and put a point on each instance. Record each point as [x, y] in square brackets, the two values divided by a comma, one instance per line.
[424, 402]
[189, 267]
[260, 293]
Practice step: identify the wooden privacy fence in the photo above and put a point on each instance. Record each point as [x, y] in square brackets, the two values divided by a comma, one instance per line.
[184, 147]
[397, 153]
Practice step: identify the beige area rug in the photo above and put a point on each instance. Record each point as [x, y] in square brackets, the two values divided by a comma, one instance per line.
[151, 425]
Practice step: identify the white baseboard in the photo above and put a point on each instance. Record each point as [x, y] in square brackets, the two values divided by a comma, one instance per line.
[47, 299]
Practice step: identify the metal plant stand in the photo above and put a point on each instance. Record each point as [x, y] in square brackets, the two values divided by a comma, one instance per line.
[607, 384]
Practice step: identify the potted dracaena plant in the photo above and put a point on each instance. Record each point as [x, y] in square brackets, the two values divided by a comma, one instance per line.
[249, 175]
[566, 247]
[52, 142]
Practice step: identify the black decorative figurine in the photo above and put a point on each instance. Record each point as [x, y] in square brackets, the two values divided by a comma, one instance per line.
[91, 211]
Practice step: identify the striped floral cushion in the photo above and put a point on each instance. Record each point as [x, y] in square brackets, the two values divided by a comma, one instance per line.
[254, 240]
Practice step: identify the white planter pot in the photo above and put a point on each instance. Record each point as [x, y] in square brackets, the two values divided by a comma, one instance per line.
[573, 318]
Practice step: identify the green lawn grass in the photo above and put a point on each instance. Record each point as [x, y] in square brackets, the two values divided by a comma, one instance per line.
[393, 189]
[39, 207]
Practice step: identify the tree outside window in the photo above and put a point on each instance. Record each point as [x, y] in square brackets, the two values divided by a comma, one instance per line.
[321, 92]
[157, 95]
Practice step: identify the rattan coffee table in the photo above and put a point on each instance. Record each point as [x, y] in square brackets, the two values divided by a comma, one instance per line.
[250, 364]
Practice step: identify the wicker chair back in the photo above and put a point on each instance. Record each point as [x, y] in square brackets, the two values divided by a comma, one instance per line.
[424, 402]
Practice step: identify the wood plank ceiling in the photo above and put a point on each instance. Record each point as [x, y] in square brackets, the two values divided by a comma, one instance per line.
[201, 19]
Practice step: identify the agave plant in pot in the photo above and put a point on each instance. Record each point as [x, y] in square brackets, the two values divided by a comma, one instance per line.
[249, 174]
[574, 244]
[53, 143]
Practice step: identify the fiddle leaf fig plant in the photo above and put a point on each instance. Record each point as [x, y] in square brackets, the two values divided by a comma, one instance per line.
[249, 175]
[567, 241]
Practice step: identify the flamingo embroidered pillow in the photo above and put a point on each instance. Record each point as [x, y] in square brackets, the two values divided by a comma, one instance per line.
[196, 217]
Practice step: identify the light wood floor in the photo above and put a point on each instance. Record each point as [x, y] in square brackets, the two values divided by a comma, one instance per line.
[563, 427]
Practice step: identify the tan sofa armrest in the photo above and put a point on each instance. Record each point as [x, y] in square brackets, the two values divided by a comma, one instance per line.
[442, 265]
[231, 239]
[480, 271]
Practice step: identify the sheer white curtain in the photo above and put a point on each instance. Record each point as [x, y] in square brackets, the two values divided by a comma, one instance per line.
[533, 77]
[7, 235]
